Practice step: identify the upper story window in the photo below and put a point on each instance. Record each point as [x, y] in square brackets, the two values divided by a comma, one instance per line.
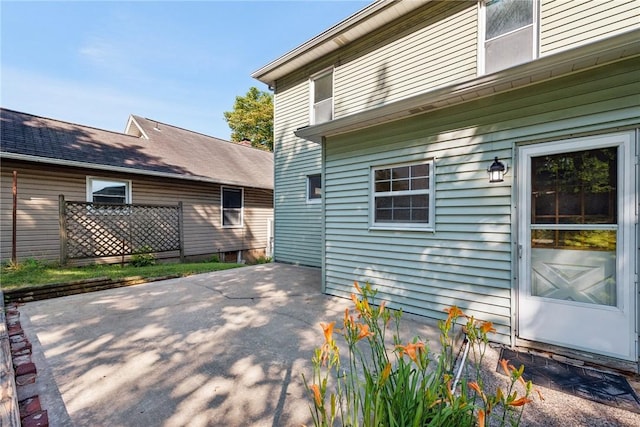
[510, 35]
[314, 188]
[322, 97]
[232, 201]
[403, 196]
[112, 191]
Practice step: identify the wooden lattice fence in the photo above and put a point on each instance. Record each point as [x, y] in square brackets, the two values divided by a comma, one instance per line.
[94, 230]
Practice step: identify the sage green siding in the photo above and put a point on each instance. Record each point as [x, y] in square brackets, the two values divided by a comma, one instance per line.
[435, 46]
[298, 224]
[468, 260]
[565, 24]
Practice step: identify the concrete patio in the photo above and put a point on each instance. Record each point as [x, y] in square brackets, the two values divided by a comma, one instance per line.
[219, 349]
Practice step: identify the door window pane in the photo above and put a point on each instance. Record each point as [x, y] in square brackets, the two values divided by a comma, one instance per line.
[575, 188]
[598, 240]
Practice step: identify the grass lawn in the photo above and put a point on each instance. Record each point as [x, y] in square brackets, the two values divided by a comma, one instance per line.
[33, 273]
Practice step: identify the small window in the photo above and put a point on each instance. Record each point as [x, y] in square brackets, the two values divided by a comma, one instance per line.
[314, 188]
[232, 207]
[403, 196]
[100, 190]
[510, 33]
[322, 97]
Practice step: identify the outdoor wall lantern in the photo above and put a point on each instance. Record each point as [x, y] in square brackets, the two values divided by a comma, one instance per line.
[496, 171]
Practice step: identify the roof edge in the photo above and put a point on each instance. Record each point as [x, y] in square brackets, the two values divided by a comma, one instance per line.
[387, 9]
[95, 166]
[35, 116]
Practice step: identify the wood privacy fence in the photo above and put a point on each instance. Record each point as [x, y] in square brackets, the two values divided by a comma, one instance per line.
[94, 230]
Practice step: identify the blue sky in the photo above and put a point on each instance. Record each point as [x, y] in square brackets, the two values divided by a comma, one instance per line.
[181, 63]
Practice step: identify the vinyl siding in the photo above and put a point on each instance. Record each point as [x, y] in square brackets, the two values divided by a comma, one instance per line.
[565, 24]
[297, 223]
[434, 47]
[467, 261]
[37, 221]
[390, 65]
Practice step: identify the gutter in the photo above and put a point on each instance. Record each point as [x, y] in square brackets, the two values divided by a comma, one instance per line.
[344, 32]
[120, 169]
[607, 51]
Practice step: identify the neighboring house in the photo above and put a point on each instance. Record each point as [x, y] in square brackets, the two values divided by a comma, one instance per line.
[226, 189]
[391, 119]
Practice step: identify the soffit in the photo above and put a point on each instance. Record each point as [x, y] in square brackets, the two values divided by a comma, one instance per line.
[594, 55]
[357, 25]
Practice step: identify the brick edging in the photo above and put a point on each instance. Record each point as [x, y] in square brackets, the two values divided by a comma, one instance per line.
[9, 407]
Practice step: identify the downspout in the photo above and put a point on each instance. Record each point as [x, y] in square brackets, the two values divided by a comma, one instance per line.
[323, 169]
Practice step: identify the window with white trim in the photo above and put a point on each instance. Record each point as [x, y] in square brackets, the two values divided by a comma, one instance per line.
[403, 195]
[314, 188]
[322, 97]
[510, 35]
[106, 190]
[232, 207]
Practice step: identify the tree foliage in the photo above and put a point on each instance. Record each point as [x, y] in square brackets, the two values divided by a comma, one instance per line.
[252, 119]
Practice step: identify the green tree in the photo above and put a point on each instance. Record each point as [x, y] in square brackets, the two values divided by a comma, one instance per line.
[252, 119]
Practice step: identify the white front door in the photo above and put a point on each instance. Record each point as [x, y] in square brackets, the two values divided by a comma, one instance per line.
[577, 254]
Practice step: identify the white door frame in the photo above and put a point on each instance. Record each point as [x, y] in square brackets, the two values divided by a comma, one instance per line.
[627, 236]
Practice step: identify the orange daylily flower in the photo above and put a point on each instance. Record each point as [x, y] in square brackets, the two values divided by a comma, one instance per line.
[357, 287]
[520, 402]
[454, 311]
[487, 327]
[381, 308]
[385, 373]
[411, 349]
[327, 328]
[503, 363]
[481, 418]
[316, 394]
[364, 331]
[474, 385]
[354, 298]
[348, 319]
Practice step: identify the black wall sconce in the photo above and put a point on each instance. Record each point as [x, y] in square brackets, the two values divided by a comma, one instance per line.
[497, 170]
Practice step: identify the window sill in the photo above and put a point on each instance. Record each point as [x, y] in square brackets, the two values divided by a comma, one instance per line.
[401, 228]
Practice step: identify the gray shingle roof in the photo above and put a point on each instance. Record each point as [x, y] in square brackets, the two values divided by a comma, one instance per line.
[169, 150]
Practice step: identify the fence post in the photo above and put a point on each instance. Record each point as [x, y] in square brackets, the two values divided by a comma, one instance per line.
[14, 220]
[63, 229]
[180, 232]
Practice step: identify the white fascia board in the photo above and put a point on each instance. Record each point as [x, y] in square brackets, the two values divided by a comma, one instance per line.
[593, 55]
[364, 21]
[120, 169]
